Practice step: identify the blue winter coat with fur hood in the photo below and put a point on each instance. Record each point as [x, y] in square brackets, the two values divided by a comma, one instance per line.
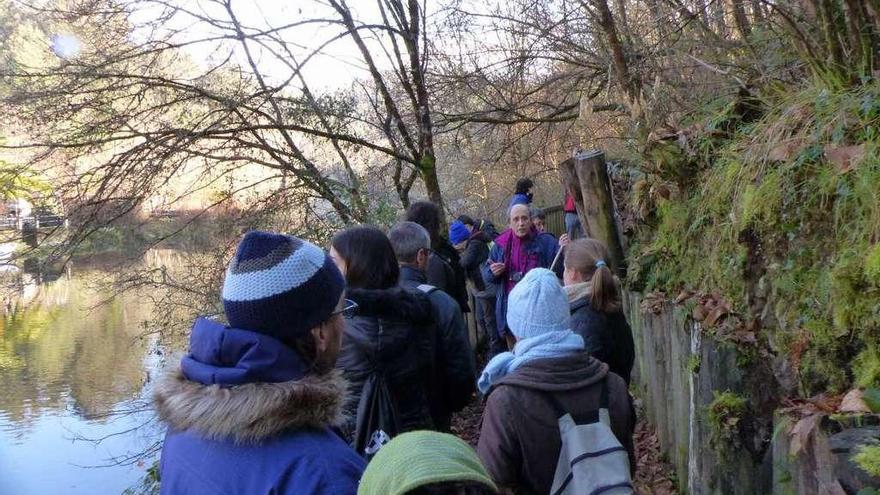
[245, 417]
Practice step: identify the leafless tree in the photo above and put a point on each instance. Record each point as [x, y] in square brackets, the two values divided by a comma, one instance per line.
[137, 110]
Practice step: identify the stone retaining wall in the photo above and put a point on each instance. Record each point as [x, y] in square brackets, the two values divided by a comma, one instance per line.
[679, 369]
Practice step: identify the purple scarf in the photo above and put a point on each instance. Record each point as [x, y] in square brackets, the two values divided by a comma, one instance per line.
[517, 255]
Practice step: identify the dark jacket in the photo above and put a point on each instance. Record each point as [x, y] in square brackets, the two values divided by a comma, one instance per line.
[520, 440]
[445, 272]
[454, 368]
[540, 249]
[607, 336]
[474, 257]
[393, 333]
[242, 430]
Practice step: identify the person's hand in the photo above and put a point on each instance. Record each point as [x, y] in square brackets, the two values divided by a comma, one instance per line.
[564, 240]
[497, 268]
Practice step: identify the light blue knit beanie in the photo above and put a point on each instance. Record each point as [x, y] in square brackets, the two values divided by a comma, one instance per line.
[537, 305]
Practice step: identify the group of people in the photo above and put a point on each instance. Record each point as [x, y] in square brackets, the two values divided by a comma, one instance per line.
[339, 371]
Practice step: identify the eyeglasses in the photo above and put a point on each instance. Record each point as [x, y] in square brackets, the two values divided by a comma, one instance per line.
[348, 311]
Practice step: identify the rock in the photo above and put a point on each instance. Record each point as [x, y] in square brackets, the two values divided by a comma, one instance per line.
[844, 446]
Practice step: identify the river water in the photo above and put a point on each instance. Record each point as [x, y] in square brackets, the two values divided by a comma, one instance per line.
[74, 384]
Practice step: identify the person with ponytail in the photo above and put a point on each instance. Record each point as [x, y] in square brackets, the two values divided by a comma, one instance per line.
[596, 310]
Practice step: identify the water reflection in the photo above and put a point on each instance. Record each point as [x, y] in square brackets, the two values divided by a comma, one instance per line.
[72, 369]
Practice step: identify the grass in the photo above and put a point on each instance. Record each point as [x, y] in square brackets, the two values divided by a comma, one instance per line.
[814, 221]
[867, 368]
[725, 415]
[868, 459]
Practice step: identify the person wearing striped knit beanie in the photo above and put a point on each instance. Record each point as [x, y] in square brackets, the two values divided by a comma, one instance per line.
[254, 405]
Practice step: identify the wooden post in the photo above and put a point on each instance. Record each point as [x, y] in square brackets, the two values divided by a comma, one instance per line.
[585, 176]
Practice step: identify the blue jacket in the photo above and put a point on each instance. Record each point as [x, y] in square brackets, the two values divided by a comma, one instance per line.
[542, 246]
[245, 416]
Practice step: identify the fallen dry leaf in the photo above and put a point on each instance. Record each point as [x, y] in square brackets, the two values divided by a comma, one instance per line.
[745, 337]
[845, 157]
[827, 403]
[699, 313]
[716, 315]
[754, 325]
[853, 403]
[783, 151]
[663, 191]
[653, 303]
[683, 296]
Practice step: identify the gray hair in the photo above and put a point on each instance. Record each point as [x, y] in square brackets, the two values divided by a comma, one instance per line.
[536, 212]
[407, 239]
[527, 207]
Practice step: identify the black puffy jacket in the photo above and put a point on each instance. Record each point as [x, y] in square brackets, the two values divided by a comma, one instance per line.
[475, 254]
[607, 336]
[445, 272]
[392, 333]
[454, 367]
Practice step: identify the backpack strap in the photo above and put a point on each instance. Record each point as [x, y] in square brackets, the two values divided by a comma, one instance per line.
[427, 289]
[593, 416]
[558, 408]
[603, 398]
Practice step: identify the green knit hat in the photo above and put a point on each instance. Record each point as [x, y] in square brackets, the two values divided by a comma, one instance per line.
[421, 458]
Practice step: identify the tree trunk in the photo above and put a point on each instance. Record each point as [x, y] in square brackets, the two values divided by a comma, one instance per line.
[740, 18]
[657, 17]
[620, 6]
[586, 177]
[621, 68]
[427, 162]
[428, 171]
[831, 15]
[757, 11]
[717, 9]
[703, 12]
[861, 40]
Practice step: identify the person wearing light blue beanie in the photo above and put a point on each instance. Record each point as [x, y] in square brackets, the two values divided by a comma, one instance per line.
[548, 369]
[538, 316]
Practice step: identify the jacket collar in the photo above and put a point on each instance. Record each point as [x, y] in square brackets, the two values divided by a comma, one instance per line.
[251, 412]
[412, 274]
[479, 235]
[395, 303]
[225, 356]
[578, 292]
[508, 236]
[558, 374]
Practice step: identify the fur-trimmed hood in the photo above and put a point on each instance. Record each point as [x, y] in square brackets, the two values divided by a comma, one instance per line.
[251, 412]
[245, 386]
